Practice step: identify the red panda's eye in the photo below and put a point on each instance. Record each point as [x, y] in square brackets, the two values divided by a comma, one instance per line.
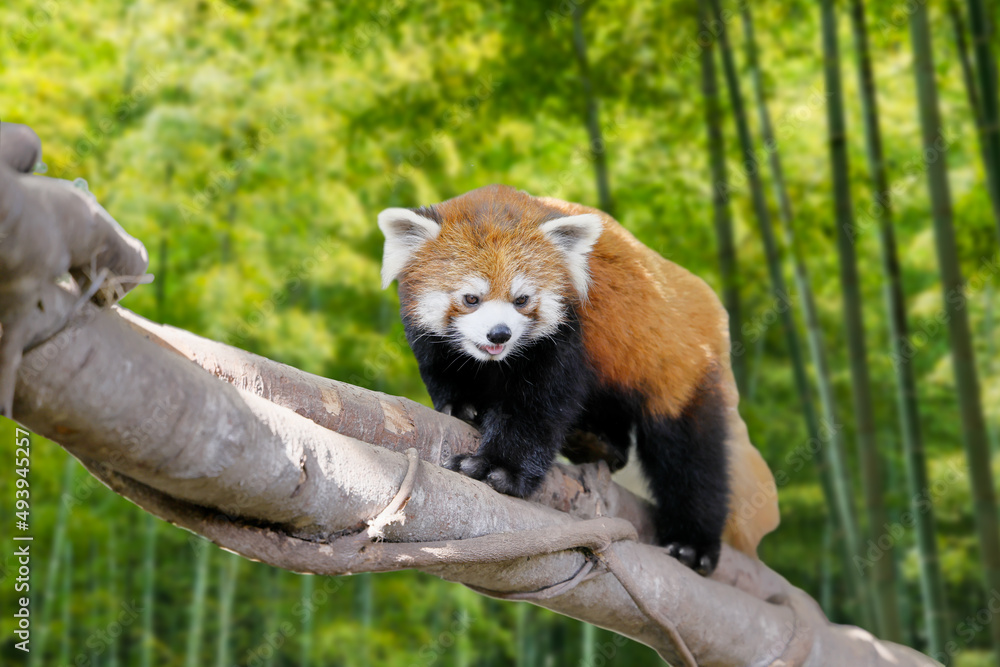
[521, 301]
[471, 300]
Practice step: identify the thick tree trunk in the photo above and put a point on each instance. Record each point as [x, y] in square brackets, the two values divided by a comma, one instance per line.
[931, 583]
[957, 316]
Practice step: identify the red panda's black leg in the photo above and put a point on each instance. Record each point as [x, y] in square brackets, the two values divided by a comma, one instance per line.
[684, 458]
[524, 411]
[523, 406]
[605, 429]
[522, 433]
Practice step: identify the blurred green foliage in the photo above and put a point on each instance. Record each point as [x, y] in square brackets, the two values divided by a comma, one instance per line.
[250, 145]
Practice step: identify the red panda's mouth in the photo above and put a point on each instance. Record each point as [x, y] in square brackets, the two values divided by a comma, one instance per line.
[491, 349]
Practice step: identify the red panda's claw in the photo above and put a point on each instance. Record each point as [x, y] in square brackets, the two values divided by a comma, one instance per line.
[466, 413]
[684, 553]
[689, 557]
[498, 477]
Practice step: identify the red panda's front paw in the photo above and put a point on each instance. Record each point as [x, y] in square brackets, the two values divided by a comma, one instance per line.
[500, 478]
[466, 413]
[702, 561]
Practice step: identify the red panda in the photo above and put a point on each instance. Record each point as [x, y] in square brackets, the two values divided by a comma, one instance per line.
[534, 317]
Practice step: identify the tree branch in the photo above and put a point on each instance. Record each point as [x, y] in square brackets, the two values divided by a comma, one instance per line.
[228, 455]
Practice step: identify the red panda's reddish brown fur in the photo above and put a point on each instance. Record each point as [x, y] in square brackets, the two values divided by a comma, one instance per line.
[669, 353]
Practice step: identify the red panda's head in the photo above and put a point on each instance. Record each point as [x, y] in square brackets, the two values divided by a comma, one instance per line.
[491, 270]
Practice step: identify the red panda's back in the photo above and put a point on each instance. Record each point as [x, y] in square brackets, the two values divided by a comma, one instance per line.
[653, 326]
[648, 324]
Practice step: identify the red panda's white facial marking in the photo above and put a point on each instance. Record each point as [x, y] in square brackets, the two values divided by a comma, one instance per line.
[488, 322]
[492, 330]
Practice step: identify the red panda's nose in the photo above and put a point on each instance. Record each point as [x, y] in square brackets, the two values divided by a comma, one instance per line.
[499, 334]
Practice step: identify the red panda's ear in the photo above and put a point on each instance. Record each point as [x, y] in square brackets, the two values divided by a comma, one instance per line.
[575, 236]
[405, 231]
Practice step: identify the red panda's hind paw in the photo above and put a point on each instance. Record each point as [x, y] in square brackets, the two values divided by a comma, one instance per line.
[703, 563]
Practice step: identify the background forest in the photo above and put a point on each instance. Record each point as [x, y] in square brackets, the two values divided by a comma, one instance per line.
[250, 144]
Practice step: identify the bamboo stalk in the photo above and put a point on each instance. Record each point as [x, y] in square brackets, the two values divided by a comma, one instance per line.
[112, 580]
[872, 482]
[720, 204]
[963, 357]
[803, 281]
[989, 333]
[306, 641]
[980, 22]
[598, 149]
[66, 605]
[230, 570]
[196, 622]
[588, 639]
[52, 573]
[148, 591]
[935, 603]
[831, 466]
[975, 104]
[271, 614]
